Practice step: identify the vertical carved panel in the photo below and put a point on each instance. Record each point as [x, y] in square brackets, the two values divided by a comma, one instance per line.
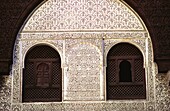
[83, 73]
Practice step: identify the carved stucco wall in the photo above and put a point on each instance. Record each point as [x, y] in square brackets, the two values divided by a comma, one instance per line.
[162, 100]
[83, 32]
[162, 93]
[5, 93]
[83, 15]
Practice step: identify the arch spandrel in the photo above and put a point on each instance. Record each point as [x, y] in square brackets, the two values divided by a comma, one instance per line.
[59, 15]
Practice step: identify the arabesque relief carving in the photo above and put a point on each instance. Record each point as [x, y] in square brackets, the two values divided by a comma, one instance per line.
[79, 15]
[83, 32]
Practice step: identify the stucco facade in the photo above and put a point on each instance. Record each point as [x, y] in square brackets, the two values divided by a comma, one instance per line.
[83, 32]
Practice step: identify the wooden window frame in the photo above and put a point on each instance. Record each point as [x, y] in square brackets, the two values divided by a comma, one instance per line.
[118, 60]
[131, 59]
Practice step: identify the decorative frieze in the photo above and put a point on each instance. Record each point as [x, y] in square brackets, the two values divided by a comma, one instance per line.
[42, 107]
[135, 106]
[54, 35]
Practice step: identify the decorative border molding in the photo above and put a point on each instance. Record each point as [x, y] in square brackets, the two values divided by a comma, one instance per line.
[83, 35]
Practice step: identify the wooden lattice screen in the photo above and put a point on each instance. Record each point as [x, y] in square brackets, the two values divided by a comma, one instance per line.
[42, 75]
[133, 89]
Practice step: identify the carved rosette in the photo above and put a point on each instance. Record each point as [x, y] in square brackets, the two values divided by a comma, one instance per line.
[150, 106]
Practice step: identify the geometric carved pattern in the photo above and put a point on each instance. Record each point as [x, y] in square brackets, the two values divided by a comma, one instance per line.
[5, 93]
[83, 59]
[84, 70]
[73, 14]
[162, 93]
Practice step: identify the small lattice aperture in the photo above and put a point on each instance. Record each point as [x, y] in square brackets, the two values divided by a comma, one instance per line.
[134, 86]
[42, 77]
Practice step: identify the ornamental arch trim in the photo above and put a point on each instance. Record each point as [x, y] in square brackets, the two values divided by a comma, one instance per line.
[127, 78]
[34, 44]
[134, 43]
[42, 74]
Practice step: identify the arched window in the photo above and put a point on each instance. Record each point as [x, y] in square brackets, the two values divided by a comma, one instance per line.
[42, 75]
[125, 74]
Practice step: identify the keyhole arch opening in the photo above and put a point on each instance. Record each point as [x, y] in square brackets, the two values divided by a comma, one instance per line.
[125, 72]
